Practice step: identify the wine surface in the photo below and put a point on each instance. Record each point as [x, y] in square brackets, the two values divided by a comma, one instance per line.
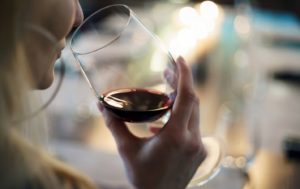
[136, 105]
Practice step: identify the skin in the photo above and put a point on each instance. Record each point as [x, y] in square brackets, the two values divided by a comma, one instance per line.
[170, 158]
[45, 36]
[167, 160]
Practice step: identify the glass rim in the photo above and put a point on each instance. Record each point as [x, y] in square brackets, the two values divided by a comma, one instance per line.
[75, 33]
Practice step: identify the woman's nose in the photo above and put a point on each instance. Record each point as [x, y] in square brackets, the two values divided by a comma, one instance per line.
[79, 15]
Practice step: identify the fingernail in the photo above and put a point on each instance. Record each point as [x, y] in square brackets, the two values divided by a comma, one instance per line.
[180, 59]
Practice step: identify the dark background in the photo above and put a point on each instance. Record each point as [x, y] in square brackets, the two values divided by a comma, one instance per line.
[284, 6]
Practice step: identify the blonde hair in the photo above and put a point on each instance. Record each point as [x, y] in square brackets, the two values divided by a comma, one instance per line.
[23, 164]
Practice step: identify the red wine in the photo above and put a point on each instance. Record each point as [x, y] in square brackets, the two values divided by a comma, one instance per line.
[136, 105]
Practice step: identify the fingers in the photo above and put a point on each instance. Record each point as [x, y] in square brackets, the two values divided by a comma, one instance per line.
[194, 121]
[184, 102]
[118, 128]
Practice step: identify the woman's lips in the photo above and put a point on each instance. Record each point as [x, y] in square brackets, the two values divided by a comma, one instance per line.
[60, 52]
[59, 55]
[62, 45]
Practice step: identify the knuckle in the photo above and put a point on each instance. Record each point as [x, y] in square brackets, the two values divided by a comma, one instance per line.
[190, 94]
[193, 148]
[181, 145]
[196, 100]
[175, 141]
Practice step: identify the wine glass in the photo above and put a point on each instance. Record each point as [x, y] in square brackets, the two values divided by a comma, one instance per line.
[125, 65]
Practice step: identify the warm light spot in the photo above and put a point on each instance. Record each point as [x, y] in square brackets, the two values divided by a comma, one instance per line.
[178, 1]
[242, 25]
[202, 28]
[197, 24]
[187, 15]
[157, 62]
[184, 42]
[209, 9]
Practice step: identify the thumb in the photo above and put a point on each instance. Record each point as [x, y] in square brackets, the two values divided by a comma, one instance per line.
[118, 128]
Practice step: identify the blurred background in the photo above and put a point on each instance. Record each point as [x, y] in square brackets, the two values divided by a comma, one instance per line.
[245, 58]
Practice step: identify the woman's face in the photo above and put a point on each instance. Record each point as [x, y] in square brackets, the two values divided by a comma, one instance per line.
[49, 23]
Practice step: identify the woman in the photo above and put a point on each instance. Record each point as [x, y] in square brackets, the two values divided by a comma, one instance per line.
[31, 37]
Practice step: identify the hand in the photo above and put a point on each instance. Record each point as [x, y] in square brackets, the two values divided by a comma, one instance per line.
[170, 158]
